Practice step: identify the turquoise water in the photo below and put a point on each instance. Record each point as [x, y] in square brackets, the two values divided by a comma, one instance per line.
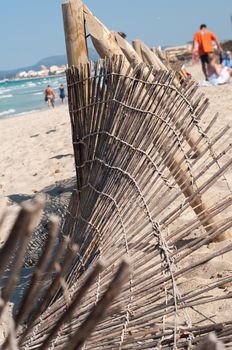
[25, 96]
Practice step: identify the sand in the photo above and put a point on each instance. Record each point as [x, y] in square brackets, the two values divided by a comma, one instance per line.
[36, 151]
[219, 97]
[36, 154]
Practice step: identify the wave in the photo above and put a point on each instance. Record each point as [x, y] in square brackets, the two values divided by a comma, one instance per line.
[27, 85]
[38, 93]
[3, 91]
[30, 84]
[9, 111]
[6, 96]
[27, 112]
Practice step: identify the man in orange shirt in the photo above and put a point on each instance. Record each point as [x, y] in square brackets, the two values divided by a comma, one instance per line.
[203, 43]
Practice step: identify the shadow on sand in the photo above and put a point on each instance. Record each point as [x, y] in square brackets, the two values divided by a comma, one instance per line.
[57, 200]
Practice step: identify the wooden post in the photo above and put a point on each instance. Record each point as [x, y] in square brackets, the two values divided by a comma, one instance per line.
[162, 56]
[77, 53]
[74, 29]
[130, 53]
[164, 59]
[151, 57]
[200, 207]
[137, 46]
[103, 40]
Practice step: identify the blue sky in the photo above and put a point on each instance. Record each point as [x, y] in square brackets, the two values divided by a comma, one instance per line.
[33, 29]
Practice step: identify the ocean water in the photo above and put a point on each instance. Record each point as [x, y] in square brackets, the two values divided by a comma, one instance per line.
[25, 96]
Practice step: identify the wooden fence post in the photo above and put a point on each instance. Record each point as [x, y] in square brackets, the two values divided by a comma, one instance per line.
[137, 46]
[77, 54]
[130, 53]
[103, 40]
[151, 58]
[74, 28]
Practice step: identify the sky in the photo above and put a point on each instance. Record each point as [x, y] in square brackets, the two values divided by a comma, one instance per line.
[33, 29]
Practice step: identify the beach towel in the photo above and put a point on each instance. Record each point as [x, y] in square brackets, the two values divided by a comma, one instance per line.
[223, 78]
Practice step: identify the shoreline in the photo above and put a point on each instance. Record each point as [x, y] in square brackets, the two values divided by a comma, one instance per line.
[30, 113]
[23, 97]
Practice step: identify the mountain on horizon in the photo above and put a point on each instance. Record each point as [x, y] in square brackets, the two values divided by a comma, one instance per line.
[57, 60]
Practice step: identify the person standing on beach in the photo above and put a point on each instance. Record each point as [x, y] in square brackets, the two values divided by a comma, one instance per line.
[62, 93]
[49, 96]
[203, 43]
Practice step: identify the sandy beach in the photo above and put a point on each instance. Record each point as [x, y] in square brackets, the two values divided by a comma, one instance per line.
[36, 152]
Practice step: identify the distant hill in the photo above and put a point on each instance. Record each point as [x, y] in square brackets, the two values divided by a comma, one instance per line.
[58, 60]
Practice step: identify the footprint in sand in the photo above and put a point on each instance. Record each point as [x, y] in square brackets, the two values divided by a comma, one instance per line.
[50, 131]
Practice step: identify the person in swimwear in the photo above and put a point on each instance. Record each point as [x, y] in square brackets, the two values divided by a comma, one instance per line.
[217, 73]
[49, 96]
[62, 93]
[227, 59]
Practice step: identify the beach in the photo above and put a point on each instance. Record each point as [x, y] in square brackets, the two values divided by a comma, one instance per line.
[36, 152]
[37, 155]
[36, 148]
[24, 96]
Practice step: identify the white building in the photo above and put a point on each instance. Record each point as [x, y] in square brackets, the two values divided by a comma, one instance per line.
[23, 74]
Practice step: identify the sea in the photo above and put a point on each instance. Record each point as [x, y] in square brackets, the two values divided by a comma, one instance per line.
[18, 97]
